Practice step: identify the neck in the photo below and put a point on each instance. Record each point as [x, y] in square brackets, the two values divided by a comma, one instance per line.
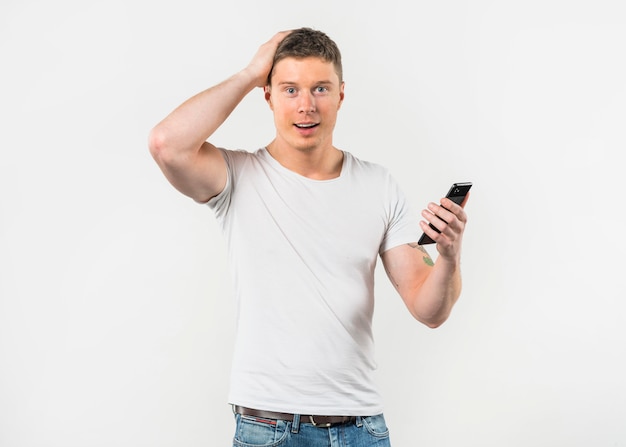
[315, 163]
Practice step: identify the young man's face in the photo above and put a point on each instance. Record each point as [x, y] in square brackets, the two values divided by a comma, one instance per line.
[305, 96]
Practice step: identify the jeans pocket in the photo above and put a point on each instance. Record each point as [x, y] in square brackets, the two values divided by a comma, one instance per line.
[256, 432]
[376, 426]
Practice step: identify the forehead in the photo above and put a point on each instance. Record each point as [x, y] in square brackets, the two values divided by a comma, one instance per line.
[301, 70]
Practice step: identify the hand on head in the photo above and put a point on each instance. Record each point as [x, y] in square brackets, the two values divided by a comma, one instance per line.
[261, 64]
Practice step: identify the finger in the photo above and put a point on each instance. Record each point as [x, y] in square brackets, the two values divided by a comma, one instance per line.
[446, 222]
[434, 221]
[441, 213]
[446, 238]
[429, 230]
[448, 203]
[279, 36]
[453, 209]
[285, 32]
[465, 200]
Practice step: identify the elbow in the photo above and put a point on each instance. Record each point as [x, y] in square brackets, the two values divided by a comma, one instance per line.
[434, 324]
[432, 320]
[435, 313]
[157, 144]
[166, 154]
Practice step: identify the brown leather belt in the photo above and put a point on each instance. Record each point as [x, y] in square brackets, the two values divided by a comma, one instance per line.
[317, 421]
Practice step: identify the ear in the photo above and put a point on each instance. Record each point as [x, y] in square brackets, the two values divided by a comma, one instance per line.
[267, 91]
[341, 95]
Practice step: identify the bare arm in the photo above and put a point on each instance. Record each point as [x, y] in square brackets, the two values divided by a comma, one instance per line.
[429, 289]
[178, 143]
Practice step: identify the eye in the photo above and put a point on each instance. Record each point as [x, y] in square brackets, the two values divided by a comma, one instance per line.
[290, 90]
[321, 89]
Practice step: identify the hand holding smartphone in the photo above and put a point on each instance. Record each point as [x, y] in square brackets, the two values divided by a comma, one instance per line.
[456, 193]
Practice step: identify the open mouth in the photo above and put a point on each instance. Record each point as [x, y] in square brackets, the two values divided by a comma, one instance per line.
[306, 125]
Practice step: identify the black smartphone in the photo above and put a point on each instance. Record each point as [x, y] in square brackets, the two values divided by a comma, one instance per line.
[456, 193]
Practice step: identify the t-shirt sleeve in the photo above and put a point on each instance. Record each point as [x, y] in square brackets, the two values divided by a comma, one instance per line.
[403, 223]
[220, 203]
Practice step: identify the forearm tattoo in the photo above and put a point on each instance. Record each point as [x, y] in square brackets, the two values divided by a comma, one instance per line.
[427, 259]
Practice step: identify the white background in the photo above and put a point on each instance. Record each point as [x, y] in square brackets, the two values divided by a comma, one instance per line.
[116, 319]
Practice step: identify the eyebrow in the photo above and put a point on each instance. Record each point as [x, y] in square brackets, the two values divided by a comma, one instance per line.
[295, 83]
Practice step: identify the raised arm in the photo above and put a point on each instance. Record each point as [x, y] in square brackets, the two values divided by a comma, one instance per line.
[179, 143]
[429, 289]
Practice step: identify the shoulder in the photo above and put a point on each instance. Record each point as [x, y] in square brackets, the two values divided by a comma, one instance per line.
[359, 165]
[370, 173]
[235, 158]
[235, 154]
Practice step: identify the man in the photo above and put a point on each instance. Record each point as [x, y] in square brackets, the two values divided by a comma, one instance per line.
[304, 224]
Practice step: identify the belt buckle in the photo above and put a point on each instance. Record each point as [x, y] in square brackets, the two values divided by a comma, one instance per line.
[315, 424]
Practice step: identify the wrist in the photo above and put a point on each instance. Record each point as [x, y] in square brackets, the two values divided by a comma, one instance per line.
[251, 78]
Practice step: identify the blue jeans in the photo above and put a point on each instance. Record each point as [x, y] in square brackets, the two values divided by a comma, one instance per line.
[369, 431]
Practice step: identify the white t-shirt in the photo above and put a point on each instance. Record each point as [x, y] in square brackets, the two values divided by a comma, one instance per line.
[302, 254]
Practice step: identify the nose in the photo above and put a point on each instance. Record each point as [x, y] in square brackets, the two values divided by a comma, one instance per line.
[307, 103]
